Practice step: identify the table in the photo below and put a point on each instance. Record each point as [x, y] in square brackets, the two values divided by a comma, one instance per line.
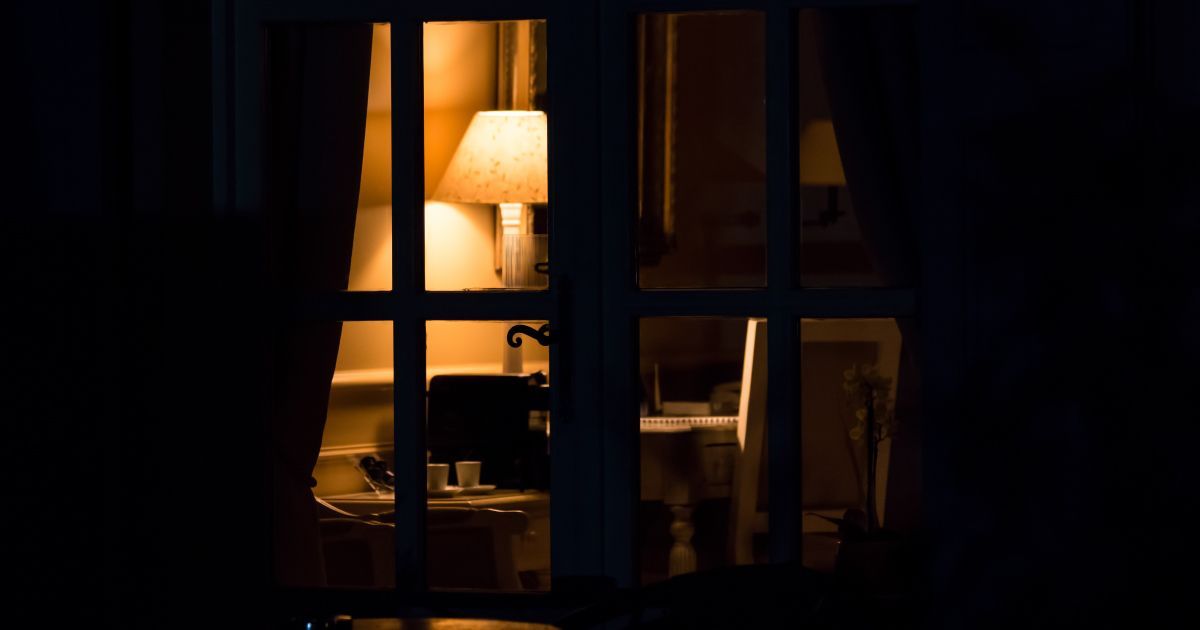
[685, 459]
[533, 553]
[364, 503]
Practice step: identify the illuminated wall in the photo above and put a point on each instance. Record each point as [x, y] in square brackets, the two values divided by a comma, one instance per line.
[460, 79]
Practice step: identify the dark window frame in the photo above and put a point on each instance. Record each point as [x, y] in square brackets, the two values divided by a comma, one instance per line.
[593, 299]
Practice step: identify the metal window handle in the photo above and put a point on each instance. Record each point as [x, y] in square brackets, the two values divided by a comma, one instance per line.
[541, 335]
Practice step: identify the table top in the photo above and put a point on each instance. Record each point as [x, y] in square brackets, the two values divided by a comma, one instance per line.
[508, 498]
[446, 624]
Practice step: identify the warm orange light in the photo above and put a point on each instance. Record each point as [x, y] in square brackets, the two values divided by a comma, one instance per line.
[371, 257]
[458, 247]
[501, 159]
[820, 160]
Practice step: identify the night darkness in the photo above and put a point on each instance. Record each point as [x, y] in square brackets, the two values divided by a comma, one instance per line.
[1058, 163]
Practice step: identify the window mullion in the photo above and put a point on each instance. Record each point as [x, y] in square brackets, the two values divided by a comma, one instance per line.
[408, 272]
[483, 10]
[579, 488]
[783, 445]
[853, 302]
[618, 275]
[321, 10]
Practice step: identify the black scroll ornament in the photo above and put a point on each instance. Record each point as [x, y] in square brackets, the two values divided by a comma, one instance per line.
[541, 335]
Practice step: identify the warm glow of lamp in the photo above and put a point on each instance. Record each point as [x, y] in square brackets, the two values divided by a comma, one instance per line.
[821, 166]
[501, 159]
[820, 160]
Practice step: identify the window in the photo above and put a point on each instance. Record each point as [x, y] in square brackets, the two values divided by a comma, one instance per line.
[638, 235]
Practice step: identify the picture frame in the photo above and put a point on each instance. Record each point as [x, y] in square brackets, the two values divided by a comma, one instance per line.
[657, 51]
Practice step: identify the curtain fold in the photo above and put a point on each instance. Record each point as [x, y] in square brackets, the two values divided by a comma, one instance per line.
[869, 59]
[314, 119]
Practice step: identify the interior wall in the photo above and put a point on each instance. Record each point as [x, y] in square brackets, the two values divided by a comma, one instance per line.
[693, 355]
[370, 261]
[459, 80]
[718, 153]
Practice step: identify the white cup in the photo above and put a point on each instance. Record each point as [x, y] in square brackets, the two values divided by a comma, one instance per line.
[468, 473]
[437, 477]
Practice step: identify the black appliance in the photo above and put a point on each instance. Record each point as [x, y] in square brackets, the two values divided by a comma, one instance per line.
[498, 419]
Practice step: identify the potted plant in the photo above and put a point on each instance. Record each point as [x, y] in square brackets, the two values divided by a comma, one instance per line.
[868, 395]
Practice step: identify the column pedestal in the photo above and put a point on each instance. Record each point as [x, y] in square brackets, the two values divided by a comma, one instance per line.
[683, 554]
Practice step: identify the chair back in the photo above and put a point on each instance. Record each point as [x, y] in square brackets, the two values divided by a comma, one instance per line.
[358, 553]
[745, 518]
[473, 548]
[326, 509]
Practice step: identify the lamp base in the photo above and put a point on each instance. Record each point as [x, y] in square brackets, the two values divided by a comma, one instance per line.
[510, 219]
[522, 253]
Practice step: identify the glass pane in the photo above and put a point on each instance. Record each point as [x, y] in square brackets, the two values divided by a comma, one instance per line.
[486, 192]
[354, 468]
[703, 444]
[489, 459]
[327, 154]
[856, 120]
[860, 434]
[701, 150]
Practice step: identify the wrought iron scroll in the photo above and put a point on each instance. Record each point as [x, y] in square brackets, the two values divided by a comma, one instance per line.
[541, 335]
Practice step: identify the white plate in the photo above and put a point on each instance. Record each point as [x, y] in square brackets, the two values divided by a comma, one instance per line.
[449, 491]
[480, 489]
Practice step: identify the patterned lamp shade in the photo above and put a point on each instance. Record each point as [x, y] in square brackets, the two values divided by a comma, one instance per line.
[501, 159]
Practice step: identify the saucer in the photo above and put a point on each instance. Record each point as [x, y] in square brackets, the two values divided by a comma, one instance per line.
[480, 489]
[447, 492]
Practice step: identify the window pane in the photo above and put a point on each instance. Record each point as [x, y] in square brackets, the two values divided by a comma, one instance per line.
[701, 150]
[703, 444]
[859, 433]
[327, 154]
[486, 212]
[488, 449]
[857, 143]
[353, 470]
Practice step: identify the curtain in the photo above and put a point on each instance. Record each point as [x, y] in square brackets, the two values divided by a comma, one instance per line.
[869, 60]
[314, 120]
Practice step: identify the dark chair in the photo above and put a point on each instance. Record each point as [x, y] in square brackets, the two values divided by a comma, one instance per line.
[474, 548]
[358, 553]
[465, 547]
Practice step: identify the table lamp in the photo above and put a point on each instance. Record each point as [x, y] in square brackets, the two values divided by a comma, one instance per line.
[500, 160]
[821, 165]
